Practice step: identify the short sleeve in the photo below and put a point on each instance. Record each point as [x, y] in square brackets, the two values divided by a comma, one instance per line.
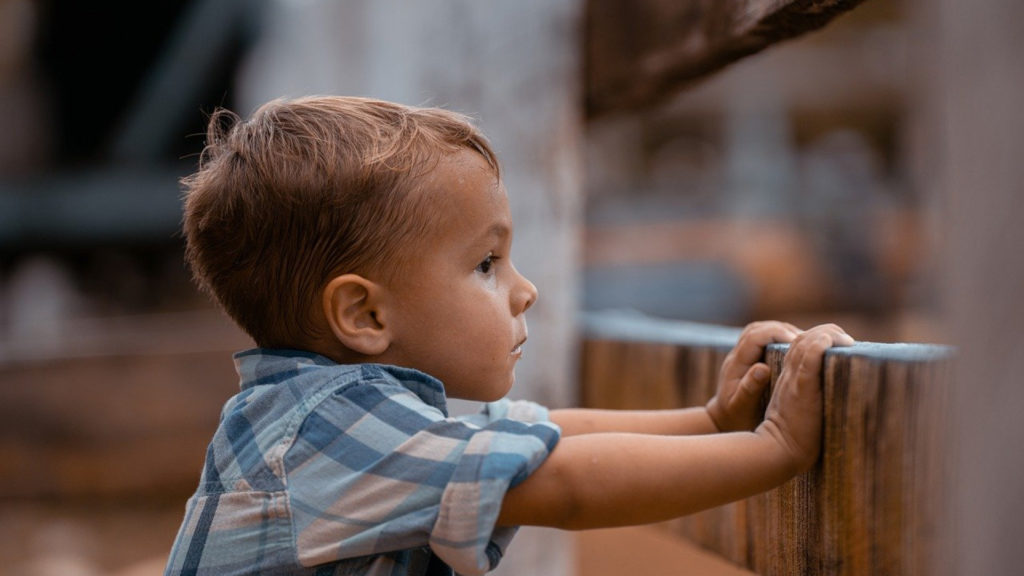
[519, 410]
[497, 457]
[374, 470]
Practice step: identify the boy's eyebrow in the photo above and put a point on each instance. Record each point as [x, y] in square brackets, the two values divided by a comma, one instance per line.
[500, 229]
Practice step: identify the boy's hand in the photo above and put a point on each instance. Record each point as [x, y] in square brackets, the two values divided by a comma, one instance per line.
[742, 381]
[794, 414]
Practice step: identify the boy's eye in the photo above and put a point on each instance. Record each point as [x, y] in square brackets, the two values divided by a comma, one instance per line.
[487, 265]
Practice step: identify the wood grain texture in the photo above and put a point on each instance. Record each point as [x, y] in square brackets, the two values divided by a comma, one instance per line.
[871, 505]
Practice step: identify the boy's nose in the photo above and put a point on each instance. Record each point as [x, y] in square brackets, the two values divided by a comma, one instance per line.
[524, 296]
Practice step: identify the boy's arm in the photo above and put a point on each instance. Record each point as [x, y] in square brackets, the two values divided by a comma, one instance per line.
[615, 479]
[735, 407]
[683, 421]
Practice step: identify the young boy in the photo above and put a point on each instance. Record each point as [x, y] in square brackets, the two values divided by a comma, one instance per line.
[365, 247]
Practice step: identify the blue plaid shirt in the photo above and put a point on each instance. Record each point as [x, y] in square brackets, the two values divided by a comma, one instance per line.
[320, 468]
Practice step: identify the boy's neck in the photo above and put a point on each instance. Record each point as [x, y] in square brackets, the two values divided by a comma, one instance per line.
[339, 353]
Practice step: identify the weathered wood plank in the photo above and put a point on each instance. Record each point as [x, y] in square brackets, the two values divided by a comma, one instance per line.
[639, 52]
[872, 503]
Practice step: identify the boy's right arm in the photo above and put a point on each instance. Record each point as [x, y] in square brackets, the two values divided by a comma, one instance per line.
[601, 480]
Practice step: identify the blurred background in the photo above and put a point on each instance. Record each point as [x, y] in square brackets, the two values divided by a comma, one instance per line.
[792, 183]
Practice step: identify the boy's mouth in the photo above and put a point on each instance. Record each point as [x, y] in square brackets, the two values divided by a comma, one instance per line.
[518, 350]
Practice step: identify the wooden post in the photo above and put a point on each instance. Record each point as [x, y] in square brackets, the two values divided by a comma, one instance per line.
[872, 504]
[969, 87]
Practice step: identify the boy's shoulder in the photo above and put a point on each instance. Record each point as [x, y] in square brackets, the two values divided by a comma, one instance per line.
[293, 404]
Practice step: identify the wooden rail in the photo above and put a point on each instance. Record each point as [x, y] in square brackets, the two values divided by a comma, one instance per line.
[873, 502]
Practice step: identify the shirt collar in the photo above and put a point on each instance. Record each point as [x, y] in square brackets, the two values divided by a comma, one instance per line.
[269, 366]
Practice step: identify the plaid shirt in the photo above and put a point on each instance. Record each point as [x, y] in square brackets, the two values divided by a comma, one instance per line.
[320, 468]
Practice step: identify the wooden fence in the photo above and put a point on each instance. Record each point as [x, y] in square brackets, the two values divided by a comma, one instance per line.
[871, 505]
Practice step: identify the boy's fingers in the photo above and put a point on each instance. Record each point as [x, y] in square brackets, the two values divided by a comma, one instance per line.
[750, 346]
[755, 380]
[807, 352]
[771, 331]
[835, 335]
[760, 372]
[791, 328]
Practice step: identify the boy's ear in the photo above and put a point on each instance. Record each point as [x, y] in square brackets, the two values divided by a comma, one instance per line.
[352, 305]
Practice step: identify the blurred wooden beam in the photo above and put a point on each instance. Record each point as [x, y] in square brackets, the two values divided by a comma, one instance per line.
[114, 410]
[639, 52]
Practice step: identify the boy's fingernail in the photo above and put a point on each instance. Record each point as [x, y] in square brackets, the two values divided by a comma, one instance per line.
[760, 373]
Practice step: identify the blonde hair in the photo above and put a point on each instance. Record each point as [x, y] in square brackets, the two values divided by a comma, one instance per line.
[305, 190]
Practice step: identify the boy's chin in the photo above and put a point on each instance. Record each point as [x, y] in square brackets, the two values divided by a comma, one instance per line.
[494, 392]
[479, 386]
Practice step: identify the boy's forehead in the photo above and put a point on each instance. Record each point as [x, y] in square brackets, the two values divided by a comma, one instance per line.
[462, 177]
[466, 163]
[463, 190]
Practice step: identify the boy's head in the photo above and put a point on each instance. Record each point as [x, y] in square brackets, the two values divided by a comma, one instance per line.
[307, 190]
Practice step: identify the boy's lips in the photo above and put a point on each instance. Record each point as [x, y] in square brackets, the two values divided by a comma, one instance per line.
[518, 350]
